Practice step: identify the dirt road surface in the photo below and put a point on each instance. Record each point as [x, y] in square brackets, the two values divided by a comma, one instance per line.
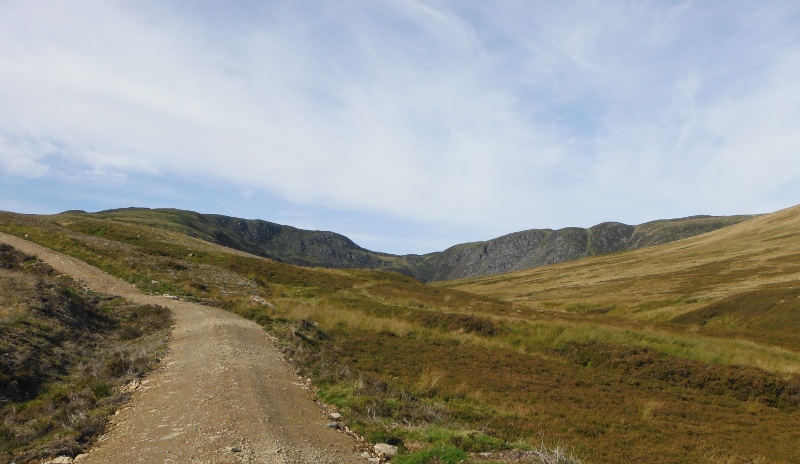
[222, 395]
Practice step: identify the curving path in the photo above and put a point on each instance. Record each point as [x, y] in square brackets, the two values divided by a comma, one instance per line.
[224, 394]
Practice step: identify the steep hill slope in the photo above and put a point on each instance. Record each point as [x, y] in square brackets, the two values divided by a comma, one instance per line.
[520, 250]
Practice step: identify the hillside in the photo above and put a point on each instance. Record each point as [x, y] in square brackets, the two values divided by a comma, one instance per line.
[520, 250]
[744, 279]
[447, 374]
[262, 238]
[540, 247]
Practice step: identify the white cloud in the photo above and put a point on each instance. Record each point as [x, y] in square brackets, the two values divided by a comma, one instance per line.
[22, 157]
[493, 116]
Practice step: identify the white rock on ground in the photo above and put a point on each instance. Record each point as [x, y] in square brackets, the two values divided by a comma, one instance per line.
[383, 449]
[60, 460]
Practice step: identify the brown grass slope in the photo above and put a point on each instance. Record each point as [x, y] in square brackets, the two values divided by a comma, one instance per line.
[439, 370]
[665, 282]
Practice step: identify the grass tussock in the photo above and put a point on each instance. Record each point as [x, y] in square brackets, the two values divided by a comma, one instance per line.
[445, 454]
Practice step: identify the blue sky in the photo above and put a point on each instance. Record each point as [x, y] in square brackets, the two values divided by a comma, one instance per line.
[409, 126]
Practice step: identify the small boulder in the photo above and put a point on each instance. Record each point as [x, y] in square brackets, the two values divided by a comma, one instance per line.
[383, 449]
[335, 416]
[60, 460]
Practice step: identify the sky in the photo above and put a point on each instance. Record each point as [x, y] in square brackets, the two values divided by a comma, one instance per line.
[407, 125]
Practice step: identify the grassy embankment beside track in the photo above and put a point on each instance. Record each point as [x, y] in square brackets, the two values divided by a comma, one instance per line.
[67, 357]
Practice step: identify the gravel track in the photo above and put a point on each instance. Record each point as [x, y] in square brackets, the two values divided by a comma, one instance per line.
[223, 394]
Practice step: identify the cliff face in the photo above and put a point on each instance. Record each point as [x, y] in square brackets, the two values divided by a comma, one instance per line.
[527, 249]
[512, 252]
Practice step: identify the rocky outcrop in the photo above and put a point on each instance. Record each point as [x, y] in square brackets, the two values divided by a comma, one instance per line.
[524, 250]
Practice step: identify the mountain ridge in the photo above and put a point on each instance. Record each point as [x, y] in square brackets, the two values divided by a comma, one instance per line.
[511, 252]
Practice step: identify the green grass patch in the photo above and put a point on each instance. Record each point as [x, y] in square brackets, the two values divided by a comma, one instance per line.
[446, 454]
